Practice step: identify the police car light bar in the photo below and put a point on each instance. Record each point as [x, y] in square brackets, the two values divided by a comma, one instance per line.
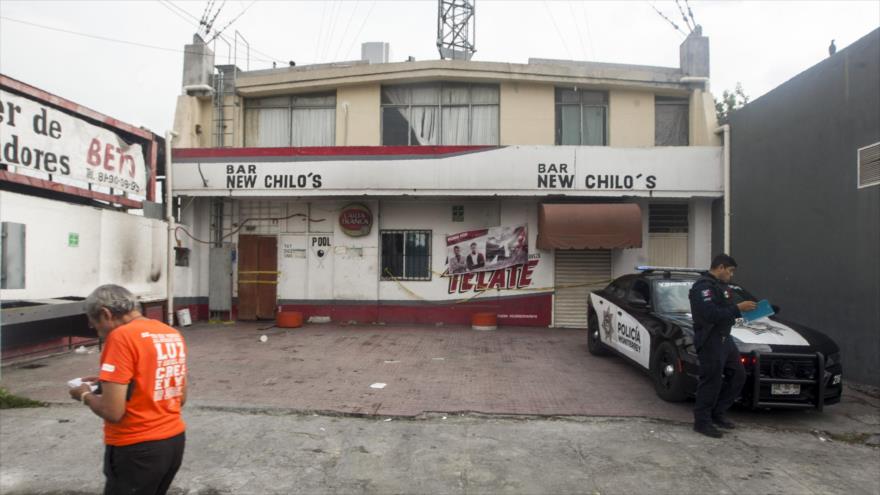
[644, 268]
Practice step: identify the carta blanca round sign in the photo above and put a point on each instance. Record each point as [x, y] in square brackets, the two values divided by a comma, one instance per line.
[356, 220]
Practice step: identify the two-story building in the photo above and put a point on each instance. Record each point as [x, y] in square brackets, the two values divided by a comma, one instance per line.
[425, 191]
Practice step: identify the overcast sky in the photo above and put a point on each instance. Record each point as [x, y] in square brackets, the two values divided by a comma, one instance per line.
[762, 44]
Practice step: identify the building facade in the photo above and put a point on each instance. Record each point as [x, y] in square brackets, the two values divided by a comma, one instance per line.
[425, 191]
[805, 198]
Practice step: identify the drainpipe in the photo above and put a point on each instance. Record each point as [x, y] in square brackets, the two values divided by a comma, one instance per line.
[169, 215]
[726, 177]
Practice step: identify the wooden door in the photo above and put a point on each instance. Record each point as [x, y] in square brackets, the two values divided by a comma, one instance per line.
[257, 277]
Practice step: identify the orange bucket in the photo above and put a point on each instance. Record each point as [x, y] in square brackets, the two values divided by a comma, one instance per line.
[484, 321]
[289, 319]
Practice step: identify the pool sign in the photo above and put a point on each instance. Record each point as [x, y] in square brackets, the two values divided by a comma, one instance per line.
[356, 220]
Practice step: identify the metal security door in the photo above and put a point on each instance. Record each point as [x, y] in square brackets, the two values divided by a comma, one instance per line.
[578, 272]
[257, 277]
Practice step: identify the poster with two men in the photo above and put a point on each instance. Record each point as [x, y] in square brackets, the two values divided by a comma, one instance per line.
[486, 249]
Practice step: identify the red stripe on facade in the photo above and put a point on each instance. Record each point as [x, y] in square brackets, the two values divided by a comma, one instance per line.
[178, 153]
[533, 311]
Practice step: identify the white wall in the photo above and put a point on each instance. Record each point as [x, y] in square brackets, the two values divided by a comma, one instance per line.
[625, 261]
[436, 215]
[114, 247]
[700, 232]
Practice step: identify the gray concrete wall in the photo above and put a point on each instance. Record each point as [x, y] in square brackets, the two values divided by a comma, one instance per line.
[804, 235]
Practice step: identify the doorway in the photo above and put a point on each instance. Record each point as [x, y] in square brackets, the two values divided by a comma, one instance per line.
[257, 277]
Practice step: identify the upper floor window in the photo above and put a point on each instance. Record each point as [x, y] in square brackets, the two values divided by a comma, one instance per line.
[581, 117]
[440, 114]
[670, 121]
[300, 120]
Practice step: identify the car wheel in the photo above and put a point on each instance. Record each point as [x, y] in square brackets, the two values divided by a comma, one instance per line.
[594, 343]
[667, 373]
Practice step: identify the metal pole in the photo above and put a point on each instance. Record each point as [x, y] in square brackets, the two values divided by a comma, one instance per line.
[169, 214]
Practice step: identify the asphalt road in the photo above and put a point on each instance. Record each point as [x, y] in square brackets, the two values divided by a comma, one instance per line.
[58, 450]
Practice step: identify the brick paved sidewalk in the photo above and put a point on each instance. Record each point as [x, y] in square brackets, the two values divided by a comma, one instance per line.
[329, 368]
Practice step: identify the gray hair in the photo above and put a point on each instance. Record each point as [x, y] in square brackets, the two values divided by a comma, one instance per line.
[118, 300]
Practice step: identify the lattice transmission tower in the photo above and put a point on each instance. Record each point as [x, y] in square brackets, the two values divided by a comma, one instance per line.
[456, 29]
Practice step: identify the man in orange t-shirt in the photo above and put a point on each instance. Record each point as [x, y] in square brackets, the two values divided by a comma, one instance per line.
[142, 389]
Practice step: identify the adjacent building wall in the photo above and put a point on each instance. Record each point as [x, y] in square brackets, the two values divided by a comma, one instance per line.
[804, 235]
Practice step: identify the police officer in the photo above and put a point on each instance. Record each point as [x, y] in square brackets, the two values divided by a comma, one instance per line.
[721, 373]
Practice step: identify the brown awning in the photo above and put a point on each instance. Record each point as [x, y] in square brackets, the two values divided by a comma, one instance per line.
[589, 226]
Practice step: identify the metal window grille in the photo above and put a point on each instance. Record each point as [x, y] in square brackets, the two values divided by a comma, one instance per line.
[581, 117]
[869, 165]
[458, 213]
[406, 255]
[668, 218]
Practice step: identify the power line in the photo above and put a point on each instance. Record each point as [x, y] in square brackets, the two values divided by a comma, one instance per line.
[690, 13]
[106, 38]
[218, 33]
[213, 19]
[221, 36]
[345, 32]
[558, 32]
[361, 29]
[667, 19]
[684, 17]
[578, 31]
[589, 34]
[325, 52]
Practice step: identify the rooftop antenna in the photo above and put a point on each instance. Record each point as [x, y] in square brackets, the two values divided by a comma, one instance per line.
[456, 29]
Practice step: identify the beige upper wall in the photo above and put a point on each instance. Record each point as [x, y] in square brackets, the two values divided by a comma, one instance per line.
[358, 118]
[526, 113]
[526, 117]
[630, 119]
[193, 118]
[703, 120]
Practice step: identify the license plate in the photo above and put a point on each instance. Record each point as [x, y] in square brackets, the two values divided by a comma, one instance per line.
[785, 389]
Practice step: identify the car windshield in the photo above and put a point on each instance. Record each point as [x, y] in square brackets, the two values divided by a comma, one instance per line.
[671, 296]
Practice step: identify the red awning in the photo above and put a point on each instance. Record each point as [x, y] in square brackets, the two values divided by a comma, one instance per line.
[589, 226]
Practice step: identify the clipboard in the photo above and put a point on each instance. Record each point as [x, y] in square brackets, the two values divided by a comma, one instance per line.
[762, 311]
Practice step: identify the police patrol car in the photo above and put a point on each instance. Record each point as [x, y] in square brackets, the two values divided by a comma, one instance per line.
[645, 318]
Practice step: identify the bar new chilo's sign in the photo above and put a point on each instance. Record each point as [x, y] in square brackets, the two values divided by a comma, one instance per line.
[356, 220]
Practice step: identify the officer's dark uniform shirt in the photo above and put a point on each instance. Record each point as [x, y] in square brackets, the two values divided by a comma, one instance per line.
[712, 307]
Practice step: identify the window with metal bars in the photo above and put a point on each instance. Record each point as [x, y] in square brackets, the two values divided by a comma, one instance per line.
[406, 255]
[668, 218]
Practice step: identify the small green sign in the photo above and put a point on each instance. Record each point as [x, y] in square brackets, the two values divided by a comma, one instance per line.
[73, 239]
